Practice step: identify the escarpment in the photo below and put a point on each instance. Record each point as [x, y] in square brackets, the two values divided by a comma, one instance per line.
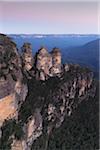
[37, 94]
[12, 87]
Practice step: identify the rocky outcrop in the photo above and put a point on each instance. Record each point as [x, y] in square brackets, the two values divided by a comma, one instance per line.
[48, 64]
[7, 107]
[56, 62]
[12, 88]
[43, 63]
[33, 128]
[27, 58]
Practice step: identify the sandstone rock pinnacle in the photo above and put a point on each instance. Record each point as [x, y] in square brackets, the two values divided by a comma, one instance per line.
[27, 57]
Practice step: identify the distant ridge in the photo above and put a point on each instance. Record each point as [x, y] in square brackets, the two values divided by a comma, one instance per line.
[88, 54]
[54, 34]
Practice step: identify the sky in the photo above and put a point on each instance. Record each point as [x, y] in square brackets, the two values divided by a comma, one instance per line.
[29, 17]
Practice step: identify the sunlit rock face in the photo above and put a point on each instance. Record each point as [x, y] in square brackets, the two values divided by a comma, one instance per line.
[33, 128]
[11, 90]
[56, 61]
[20, 91]
[11, 95]
[27, 57]
[17, 145]
[48, 64]
[10, 102]
[7, 107]
[66, 67]
[43, 63]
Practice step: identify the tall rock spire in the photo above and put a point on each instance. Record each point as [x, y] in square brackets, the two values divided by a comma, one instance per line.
[27, 57]
[44, 62]
[56, 61]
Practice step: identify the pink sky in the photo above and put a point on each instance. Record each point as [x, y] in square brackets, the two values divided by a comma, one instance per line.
[49, 17]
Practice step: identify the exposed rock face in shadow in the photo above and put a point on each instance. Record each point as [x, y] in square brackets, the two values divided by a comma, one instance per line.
[17, 145]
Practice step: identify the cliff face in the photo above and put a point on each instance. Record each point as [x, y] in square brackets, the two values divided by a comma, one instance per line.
[58, 99]
[11, 92]
[38, 93]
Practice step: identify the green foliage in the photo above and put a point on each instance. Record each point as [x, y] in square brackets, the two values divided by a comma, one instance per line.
[18, 132]
[10, 128]
[78, 132]
[7, 130]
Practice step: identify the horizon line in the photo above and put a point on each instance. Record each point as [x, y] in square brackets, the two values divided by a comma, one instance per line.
[51, 33]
